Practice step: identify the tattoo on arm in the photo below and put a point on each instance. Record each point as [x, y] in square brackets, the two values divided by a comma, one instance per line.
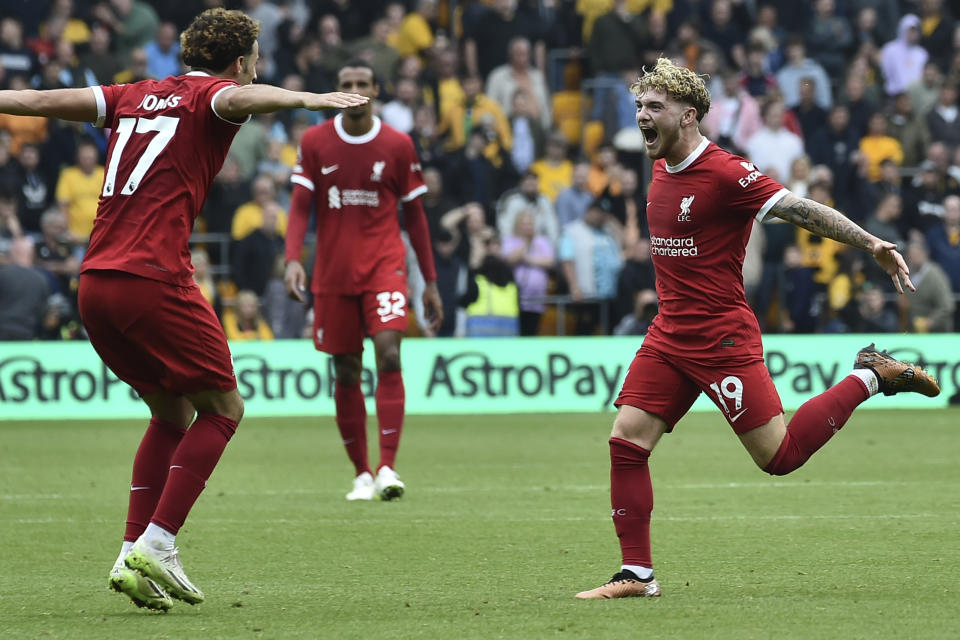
[822, 220]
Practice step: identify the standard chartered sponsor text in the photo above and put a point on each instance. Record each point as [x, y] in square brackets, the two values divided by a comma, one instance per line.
[673, 247]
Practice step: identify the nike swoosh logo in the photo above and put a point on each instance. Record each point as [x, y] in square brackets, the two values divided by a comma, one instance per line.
[390, 317]
[734, 418]
[326, 170]
[387, 432]
[138, 488]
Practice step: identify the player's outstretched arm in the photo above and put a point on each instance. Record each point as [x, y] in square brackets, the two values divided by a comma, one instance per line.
[66, 104]
[828, 222]
[238, 103]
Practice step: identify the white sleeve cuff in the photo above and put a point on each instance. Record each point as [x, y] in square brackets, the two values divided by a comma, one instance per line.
[772, 200]
[101, 106]
[302, 181]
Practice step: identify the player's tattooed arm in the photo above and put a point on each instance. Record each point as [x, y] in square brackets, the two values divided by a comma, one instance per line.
[828, 222]
[823, 221]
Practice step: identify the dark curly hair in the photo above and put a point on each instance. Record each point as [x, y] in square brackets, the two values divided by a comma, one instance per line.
[216, 38]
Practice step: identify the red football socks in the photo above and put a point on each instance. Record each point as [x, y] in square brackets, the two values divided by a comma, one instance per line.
[631, 497]
[352, 423]
[390, 404]
[190, 467]
[815, 422]
[150, 468]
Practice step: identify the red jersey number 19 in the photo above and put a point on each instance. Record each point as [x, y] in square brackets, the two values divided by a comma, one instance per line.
[164, 126]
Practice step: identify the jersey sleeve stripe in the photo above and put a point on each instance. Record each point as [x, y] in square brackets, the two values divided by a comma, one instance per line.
[772, 200]
[101, 106]
[213, 102]
[413, 194]
[302, 181]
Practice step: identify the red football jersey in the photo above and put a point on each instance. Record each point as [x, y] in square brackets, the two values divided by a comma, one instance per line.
[700, 214]
[357, 183]
[166, 145]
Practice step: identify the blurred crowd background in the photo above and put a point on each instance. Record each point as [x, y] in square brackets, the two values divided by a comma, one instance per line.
[521, 113]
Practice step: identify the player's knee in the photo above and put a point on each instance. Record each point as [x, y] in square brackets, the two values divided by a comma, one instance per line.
[347, 369]
[389, 359]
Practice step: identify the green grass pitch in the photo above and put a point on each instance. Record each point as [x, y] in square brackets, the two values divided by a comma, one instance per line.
[505, 518]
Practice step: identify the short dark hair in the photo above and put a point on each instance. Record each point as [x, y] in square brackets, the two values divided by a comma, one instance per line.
[216, 38]
[362, 64]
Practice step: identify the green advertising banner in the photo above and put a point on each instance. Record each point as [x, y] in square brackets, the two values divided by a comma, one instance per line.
[66, 380]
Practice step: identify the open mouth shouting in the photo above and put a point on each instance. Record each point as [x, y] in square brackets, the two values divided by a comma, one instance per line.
[650, 136]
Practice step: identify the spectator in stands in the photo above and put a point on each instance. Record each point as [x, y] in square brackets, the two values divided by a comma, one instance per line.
[528, 197]
[902, 59]
[18, 59]
[270, 16]
[78, 190]
[944, 119]
[203, 276]
[35, 187]
[638, 322]
[867, 29]
[9, 168]
[477, 110]
[23, 291]
[800, 68]
[415, 35]
[529, 136]
[56, 254]
[874, 315]
[573, 201]
[495, 312]
[936, 31]
[244, 321]
[9, 222]
[354, 16]
[829, 37]
[227, 193]
[471, 175]
[468, 226]
[163, 52]
[943, 240]
[929, 187]
[449, 91]
[773, 148]
[136, 70]
[255, 253]
[723, 30]
[518, 73]
[376, 51]
[877, 146]
[885, 219]
[335, 53]
[931, 307]
[799, 314]
[636, 276]
[98, 58]
[834, 147]
[249, 147]
[755, 77]
[554, 170]
[398, 113]
[133, 22]
[287, 317]
[591, 260]
[252, 215]
[429, 148]
[925, 92]
[734, 114]
[812, 116]
[436, 201]
[532, 257]
[486, 39]
[909, 129]
[453, 279]
[604, 172]
[859, 105]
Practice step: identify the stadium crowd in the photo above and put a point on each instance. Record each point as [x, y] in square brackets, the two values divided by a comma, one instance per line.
[522, 117]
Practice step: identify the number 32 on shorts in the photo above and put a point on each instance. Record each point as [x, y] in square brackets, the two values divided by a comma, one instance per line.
[730, 388]
[392, 305]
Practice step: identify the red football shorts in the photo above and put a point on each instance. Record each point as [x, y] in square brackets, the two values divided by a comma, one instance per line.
[340, 323]
[155, 336]
[667, 386]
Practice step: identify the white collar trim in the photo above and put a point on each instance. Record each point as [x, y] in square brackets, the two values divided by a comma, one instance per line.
[199, 73]
[349, 139]
[677, 168]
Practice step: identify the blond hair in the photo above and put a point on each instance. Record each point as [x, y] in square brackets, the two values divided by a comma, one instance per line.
[677, 82]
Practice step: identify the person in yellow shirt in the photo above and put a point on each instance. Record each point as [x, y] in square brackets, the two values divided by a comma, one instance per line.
[415, 36]
[78, 190]
[877, 146]
[244, 321]
[249, 216]
[554, 170]
[475, 110]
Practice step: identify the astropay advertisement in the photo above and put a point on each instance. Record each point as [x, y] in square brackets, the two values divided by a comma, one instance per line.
[66, 380]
